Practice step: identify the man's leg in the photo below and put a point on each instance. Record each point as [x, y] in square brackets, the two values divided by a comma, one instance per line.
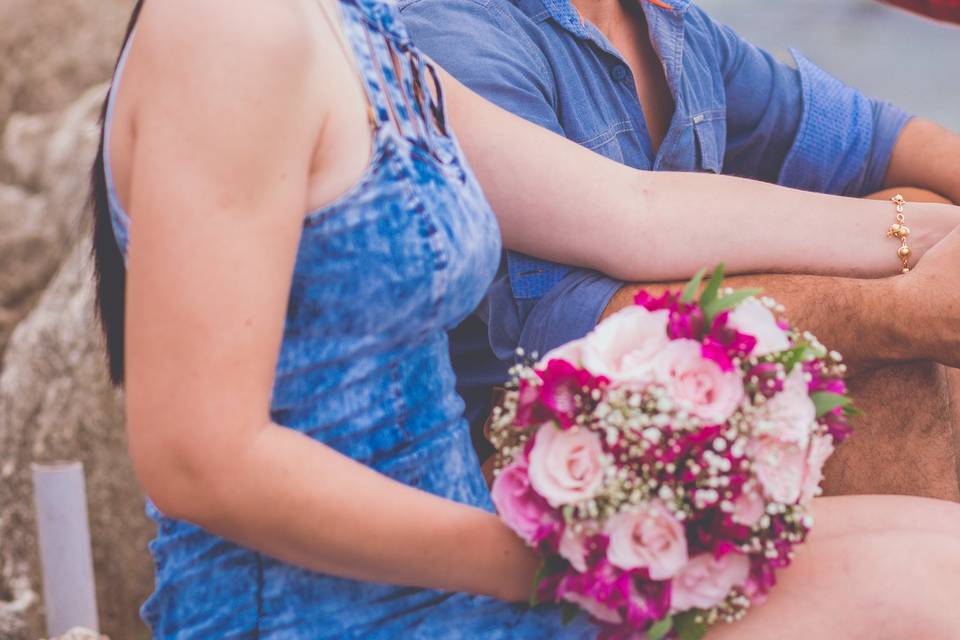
[908, 439]
[905, 442]
[953, 376]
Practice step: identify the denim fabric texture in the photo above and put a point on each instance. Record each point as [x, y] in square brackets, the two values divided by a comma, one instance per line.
[381, 275]
[739, 111]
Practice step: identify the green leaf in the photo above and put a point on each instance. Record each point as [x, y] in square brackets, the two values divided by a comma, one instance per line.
[713, 287]
[792, 357]
[825, 402]
[550, 566]
[851, 411]
[537, 579]
[568, 612]
[719, 305]
[568, 512]
[660, 629]
[690, 292]
[687, 626]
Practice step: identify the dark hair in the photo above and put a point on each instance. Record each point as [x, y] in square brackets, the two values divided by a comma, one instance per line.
[110, 271]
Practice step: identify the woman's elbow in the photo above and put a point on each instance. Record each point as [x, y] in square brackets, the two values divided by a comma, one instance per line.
[177, 478]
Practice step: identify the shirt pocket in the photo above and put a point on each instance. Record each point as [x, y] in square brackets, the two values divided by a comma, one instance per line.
[709, 130]
[608, 142]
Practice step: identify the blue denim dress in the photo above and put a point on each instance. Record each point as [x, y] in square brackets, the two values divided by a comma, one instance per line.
[381, 275]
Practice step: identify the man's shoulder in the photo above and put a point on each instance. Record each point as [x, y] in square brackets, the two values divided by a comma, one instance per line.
[459, 33]
[504, 14]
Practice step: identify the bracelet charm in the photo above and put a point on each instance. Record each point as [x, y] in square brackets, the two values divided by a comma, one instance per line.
[901, 232]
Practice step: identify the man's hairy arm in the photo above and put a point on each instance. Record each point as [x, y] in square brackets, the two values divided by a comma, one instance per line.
[926, 156]
[858, 318]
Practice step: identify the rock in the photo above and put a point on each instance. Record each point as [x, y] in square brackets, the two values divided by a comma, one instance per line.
[51, 153]
[56, 403]
[29, 249]
[55, 400]
[16, 599]
[51, 51]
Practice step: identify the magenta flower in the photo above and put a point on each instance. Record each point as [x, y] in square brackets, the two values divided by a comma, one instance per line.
[669, 300]
[648, 602]
[560, 396]
[723, 343]
[769, 383]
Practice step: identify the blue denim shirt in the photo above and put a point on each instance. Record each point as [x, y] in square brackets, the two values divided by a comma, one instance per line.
[738, 111]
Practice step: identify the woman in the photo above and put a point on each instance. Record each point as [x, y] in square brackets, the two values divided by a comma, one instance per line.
[225, 123]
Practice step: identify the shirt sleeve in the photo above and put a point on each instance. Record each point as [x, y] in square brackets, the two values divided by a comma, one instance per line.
[801, 127]
[533, 304]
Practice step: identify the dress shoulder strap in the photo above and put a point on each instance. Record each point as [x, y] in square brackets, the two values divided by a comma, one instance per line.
[393, 72]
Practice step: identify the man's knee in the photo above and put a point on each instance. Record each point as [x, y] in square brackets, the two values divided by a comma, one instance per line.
[906, 440]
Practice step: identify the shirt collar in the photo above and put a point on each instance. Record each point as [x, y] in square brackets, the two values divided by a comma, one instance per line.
[566, 15]
[666, 27]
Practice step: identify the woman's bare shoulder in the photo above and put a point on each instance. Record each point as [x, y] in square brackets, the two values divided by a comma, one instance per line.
[214, 41]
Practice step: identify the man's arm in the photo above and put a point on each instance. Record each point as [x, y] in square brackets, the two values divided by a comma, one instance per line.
[926, 156]
[858, 318]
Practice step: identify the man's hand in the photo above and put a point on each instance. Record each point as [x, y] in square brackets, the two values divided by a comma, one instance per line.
[930, 303]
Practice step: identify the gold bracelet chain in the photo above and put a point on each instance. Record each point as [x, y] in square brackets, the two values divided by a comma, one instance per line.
[901, 232]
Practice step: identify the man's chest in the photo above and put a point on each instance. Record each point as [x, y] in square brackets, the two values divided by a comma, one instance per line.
[598, 105]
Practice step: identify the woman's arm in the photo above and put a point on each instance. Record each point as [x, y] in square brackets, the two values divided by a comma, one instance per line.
[226, 114]
[559, 201]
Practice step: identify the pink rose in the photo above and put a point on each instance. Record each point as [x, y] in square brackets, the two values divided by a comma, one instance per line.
[623, 346]
[697, 384]
[651, 538]
[749, 507]
[754, 319]
[571, 352]
[518, 505]
[821, 448]
[705, 582]
[573, 549]
[790, 414]
[566, 467]
[598, 610]
[779, 466]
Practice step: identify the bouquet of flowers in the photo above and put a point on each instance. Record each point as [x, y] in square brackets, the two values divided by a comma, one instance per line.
[664, 464]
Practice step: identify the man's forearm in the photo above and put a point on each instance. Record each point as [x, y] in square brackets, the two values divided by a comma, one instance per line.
[926, 156]
[858, 318]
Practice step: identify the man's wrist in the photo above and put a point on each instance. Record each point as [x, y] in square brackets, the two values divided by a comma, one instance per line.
[902, 327]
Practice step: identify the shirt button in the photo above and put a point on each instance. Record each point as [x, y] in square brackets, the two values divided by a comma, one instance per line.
[619, 73]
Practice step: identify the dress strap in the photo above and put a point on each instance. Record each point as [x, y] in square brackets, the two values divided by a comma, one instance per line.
[350, 55]
[394, 73]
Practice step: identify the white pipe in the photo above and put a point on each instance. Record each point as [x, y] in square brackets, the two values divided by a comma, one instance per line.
[69, 593]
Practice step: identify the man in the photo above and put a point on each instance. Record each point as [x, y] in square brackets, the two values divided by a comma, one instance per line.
[657, 85]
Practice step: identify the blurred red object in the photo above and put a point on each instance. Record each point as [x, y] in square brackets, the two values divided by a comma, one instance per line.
[939, 9]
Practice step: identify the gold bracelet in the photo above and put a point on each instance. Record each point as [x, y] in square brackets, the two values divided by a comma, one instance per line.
[901, 232]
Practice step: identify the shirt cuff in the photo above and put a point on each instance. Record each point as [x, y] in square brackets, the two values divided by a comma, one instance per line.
[567, 312]
[844, 140]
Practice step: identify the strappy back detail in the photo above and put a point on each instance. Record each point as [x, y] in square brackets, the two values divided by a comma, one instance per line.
[396, 76]
[404, 96]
